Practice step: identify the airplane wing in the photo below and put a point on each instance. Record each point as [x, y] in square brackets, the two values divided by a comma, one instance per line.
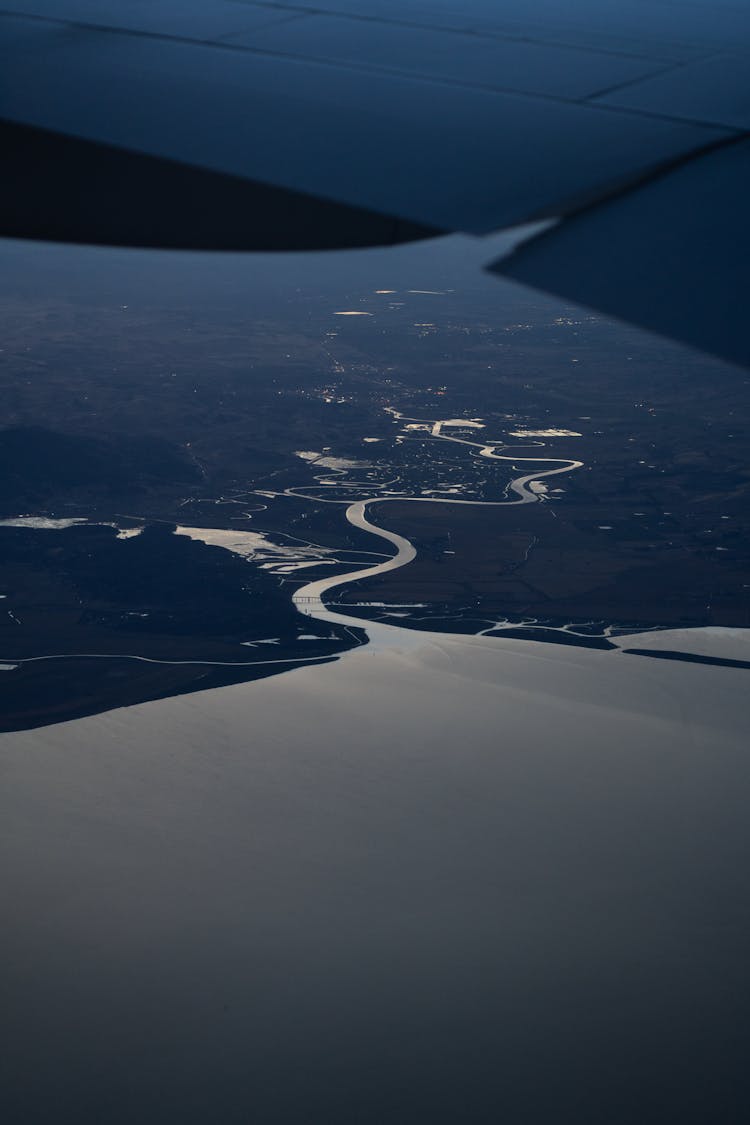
[236, 124]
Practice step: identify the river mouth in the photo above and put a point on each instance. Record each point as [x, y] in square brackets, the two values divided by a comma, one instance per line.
[434, 475]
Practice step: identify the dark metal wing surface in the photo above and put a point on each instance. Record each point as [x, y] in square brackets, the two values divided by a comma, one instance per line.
[233, 124]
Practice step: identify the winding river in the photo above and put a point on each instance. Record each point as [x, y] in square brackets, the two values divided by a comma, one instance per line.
[308, 599]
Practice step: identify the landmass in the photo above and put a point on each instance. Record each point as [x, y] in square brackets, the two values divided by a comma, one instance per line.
[171, 477]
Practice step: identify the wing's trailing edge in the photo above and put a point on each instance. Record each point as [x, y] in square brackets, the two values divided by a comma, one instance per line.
[59, 188]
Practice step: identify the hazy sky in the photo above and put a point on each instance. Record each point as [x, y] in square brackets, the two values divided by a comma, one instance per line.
[39, 270]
